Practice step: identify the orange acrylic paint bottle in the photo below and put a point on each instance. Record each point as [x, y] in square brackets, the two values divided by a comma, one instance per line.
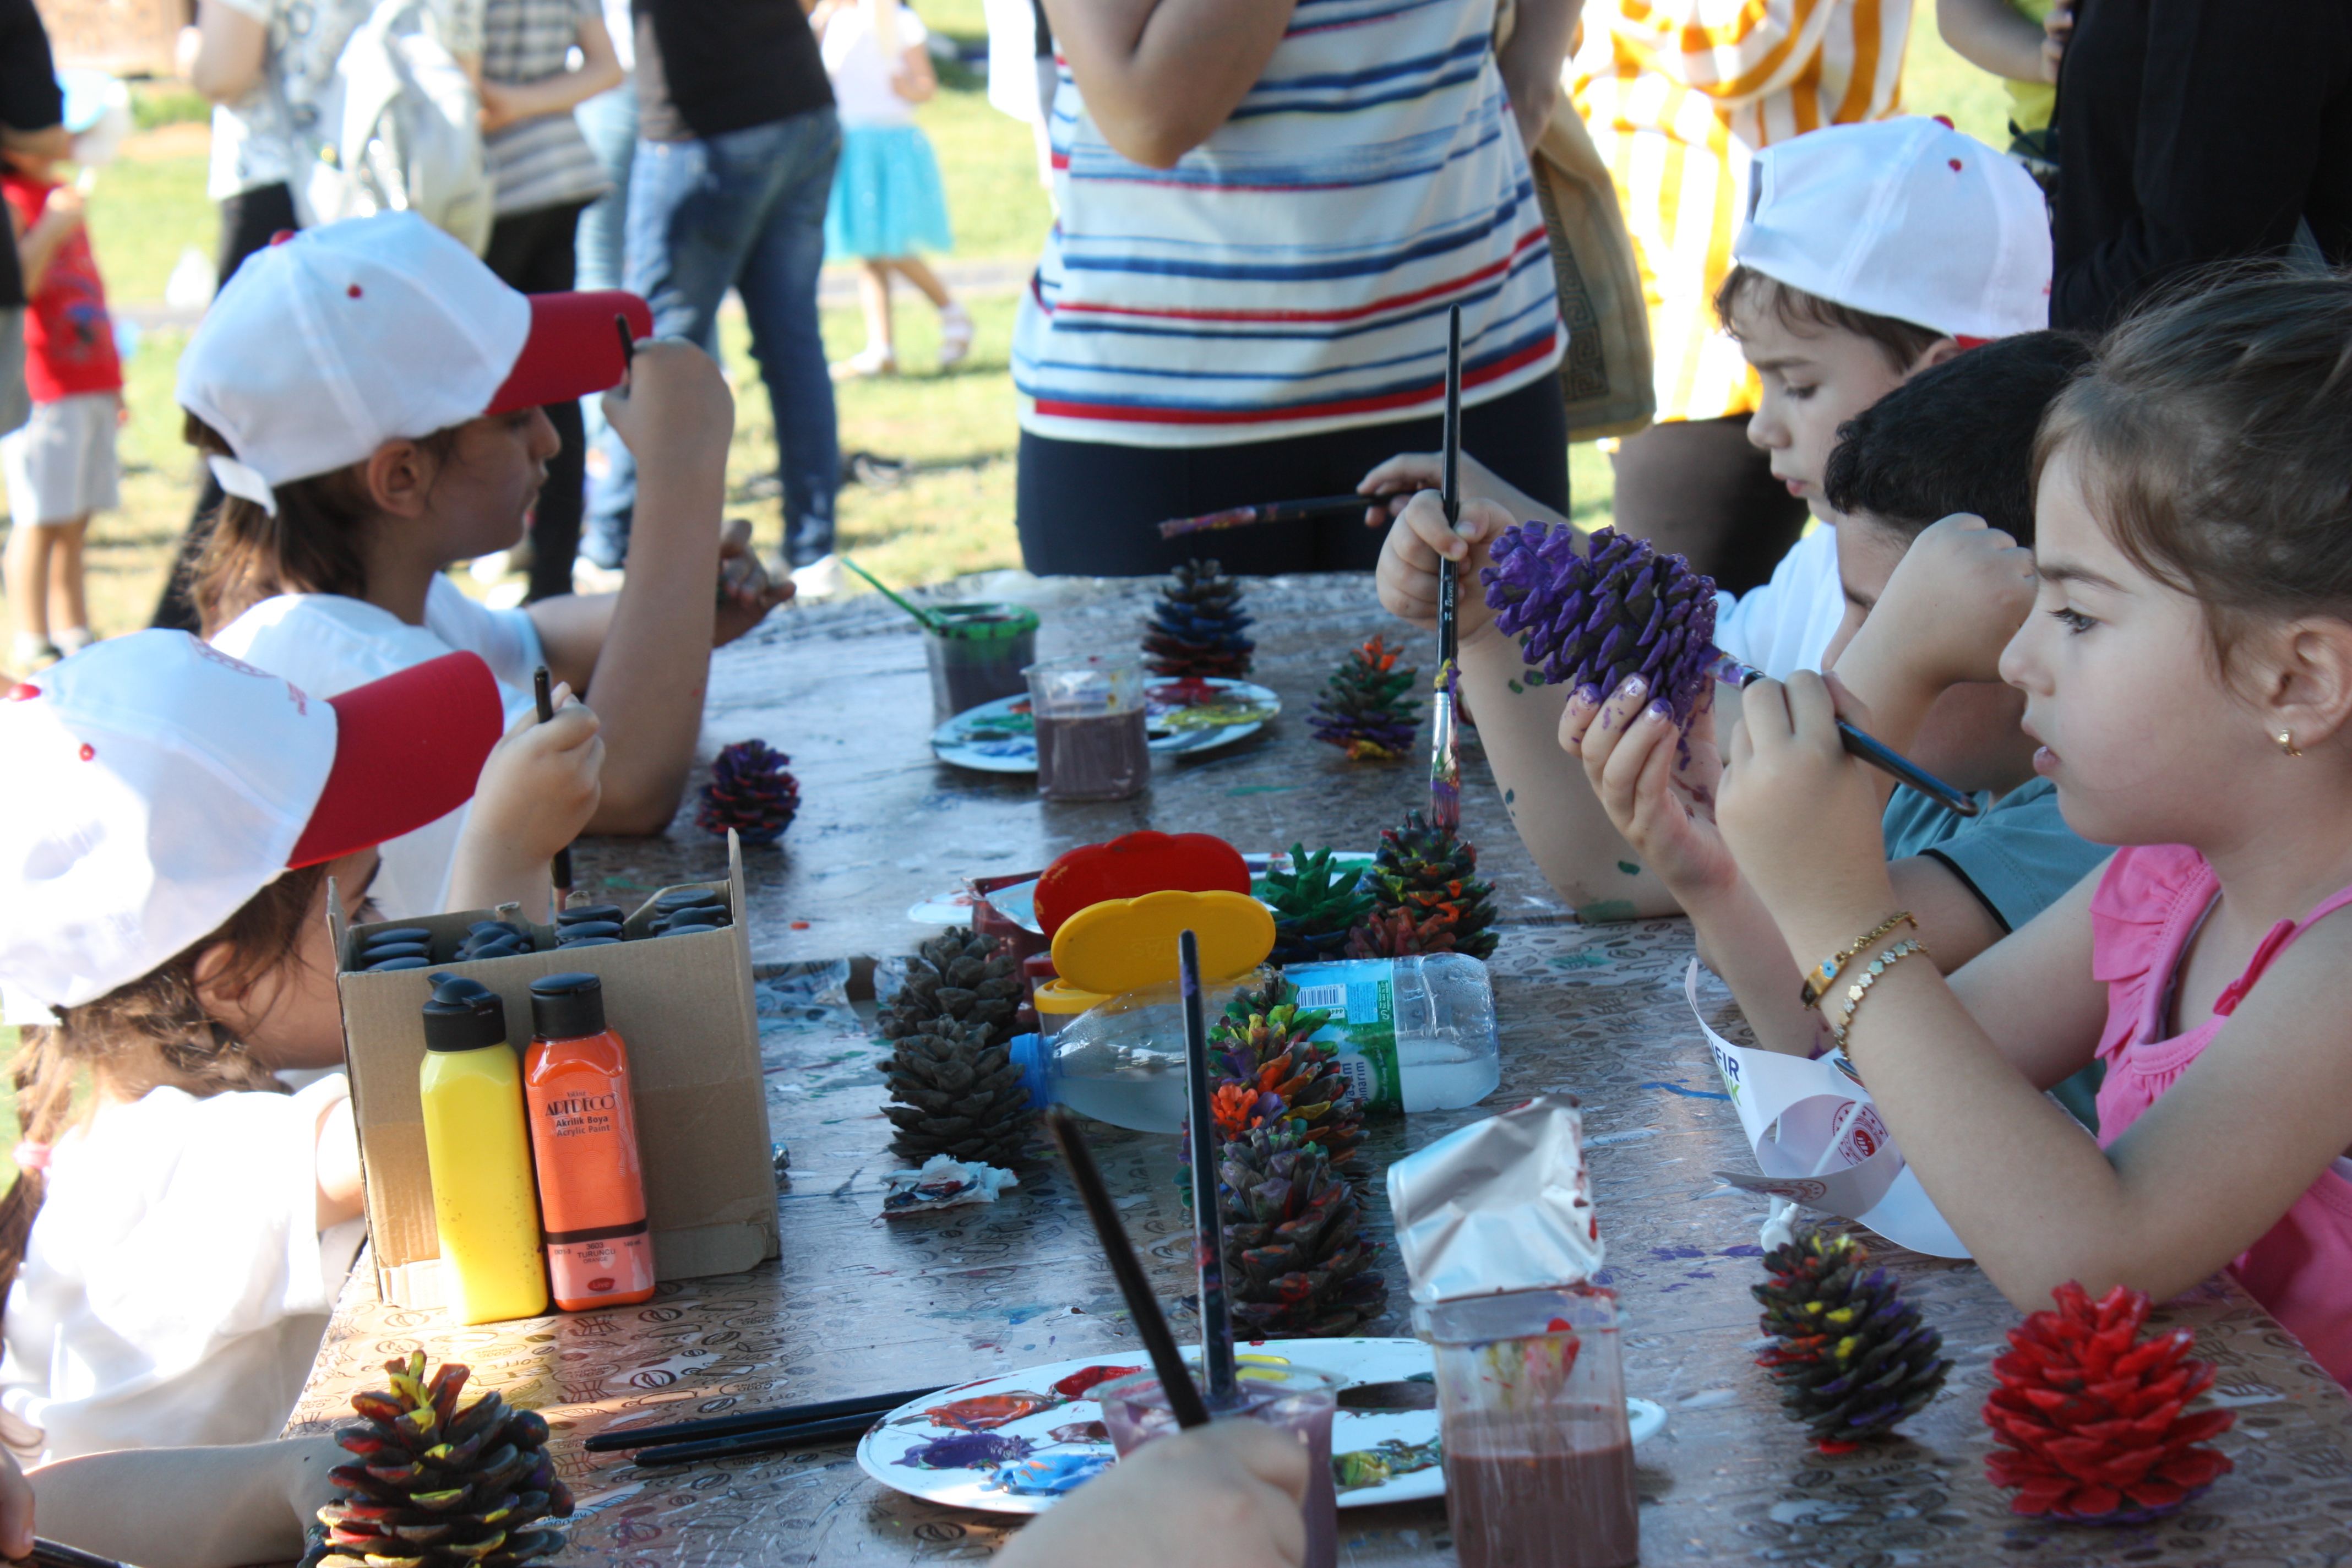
[583, 1144]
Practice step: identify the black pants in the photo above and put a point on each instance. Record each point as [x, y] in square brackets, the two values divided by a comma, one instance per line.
[533, 252]
[248, 220]
[1088, 509]
[1696, 487]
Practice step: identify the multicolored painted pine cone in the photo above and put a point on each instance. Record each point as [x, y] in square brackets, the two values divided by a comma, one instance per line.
[1850, 1355]
[750, 792]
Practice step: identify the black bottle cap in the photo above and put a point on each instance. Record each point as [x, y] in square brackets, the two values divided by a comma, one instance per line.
[462, 1016]
[398, 934]
[687, 898]
[580, 912]
[567, 1007]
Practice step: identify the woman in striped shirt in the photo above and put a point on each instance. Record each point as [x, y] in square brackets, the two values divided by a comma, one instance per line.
[1267, 208]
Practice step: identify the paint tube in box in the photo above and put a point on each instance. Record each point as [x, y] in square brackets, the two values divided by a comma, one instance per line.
[1414, 1033]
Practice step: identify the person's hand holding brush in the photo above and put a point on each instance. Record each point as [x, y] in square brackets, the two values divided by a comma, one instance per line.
[540, 787]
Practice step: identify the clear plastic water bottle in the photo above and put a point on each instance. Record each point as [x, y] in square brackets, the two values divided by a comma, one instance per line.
[1413, 1033]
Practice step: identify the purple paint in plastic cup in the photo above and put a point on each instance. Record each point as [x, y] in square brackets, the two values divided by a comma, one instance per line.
[1295, 1399]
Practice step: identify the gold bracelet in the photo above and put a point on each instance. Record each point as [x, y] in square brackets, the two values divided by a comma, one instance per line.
[1860, 988]
[1817, 980]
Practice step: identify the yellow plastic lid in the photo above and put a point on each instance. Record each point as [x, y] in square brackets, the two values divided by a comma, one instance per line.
[1061, 998]
[1125, 944]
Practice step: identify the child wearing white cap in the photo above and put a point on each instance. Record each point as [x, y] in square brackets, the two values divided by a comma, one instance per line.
[170, 821]
[1870, 253]
[368, 393]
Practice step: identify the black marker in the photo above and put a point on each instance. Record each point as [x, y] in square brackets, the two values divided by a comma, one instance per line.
[628, 343]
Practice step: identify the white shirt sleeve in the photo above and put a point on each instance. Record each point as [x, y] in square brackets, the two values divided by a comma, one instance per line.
[1786, 624]
[508, 640]
[173, 1290]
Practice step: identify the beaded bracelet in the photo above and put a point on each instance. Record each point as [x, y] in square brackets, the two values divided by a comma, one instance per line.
[1817, 980]
[1860, 988]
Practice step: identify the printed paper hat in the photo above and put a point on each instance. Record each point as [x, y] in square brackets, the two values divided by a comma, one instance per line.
[154, 784]
[1905, 218]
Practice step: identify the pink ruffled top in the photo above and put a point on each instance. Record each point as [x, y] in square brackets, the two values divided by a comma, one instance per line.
[2148, 906]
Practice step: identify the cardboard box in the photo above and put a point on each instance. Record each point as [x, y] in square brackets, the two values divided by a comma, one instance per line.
[683, 1005]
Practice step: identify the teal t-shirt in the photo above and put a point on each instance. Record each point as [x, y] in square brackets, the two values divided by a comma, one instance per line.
[2019, 856]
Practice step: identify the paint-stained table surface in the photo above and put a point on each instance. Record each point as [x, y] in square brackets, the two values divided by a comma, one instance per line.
[856, 1305]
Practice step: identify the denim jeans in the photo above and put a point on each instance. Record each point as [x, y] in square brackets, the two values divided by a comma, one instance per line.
[609, 121]
[742, 210]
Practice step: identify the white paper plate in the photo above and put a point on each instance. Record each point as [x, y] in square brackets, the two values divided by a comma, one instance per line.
[998, 737]
[1018, 1464]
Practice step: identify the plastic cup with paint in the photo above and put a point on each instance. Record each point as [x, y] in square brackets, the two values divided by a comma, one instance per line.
[1293, 1399]
[1531, 1408]
[1090, 713]
[977, 653]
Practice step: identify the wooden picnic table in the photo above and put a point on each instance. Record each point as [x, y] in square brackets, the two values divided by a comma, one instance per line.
[856, 1305]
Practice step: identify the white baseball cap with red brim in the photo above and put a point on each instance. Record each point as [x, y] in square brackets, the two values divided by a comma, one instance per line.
[153, 784]
[330, 343]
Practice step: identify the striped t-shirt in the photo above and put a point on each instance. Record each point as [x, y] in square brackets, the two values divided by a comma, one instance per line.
[1292, 273]
[1679, 94]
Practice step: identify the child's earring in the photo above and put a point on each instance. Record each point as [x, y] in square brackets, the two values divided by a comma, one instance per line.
[2286, 743]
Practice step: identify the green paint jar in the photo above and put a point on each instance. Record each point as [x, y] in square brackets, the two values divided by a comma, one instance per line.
[977, 653]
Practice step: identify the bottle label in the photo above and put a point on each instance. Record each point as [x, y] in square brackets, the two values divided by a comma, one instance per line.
[584, 1265]
[1360, 996]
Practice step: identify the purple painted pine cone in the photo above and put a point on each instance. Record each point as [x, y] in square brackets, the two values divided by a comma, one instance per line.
[1617, 610]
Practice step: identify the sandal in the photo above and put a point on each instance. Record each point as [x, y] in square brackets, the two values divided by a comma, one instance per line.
[955, 335]
[867, 361]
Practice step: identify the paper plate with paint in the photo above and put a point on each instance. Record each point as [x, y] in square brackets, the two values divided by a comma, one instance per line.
[1014, 1443]
[1181, 717]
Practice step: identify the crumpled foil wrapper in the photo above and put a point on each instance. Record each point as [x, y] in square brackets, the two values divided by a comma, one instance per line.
[1502, 1205]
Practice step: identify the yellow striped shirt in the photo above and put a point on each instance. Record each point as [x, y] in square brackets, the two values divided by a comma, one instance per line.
[1679, 94]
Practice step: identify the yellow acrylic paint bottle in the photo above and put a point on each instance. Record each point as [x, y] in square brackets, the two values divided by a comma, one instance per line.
[478, 1145]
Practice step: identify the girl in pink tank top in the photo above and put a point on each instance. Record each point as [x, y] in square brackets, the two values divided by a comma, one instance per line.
[2188, 670]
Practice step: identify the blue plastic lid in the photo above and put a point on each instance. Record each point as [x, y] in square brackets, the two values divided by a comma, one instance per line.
[1028, 1053]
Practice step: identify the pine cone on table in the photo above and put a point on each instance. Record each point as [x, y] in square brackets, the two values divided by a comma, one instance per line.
[1425, 871]
[1260, 1050]
[2092, 1419]
[1196, 629]
[437, 1486]
[1315, 902]
[750, 792]
[1296, 1262]
[1395, 934]
[955, 1093]
[1617, 610]
[1366, 709]
[958, 975]
[1852, 1356]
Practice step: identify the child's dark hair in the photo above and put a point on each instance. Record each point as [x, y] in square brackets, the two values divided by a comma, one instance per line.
[1901, 342]
[2212, 439]
[310, 546]
[1957, 436]
[155, 1022]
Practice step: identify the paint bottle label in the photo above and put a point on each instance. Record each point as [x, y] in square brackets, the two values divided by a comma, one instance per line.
[592, 1192]
[1360, 996]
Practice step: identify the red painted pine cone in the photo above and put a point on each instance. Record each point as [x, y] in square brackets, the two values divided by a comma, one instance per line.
[2092, 1419]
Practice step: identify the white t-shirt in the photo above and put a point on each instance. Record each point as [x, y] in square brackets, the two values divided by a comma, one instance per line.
[327, 643]
[1786, 624]
[175, 1285]
[862, 93]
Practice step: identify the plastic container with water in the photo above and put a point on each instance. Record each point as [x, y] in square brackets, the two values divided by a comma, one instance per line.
[1414, 1033]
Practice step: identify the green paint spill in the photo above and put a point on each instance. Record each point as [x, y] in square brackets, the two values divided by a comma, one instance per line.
[1579, 961]
[1261, 789]
[632, 886]
[1516, 688]
[1510, 795]
[1533, 677]
[1628, 868]
[1605, 910]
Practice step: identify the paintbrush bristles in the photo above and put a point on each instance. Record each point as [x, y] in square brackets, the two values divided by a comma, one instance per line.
[1592, 620]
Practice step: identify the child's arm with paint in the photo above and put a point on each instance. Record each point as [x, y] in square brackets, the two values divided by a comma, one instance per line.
[1544, 792]
[539, 791]
[1954, 1066]
[643, 655]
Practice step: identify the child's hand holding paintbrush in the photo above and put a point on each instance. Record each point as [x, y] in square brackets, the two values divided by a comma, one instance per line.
[538, 790]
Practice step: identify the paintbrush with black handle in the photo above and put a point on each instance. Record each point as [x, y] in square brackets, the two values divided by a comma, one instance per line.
[1445, 749]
